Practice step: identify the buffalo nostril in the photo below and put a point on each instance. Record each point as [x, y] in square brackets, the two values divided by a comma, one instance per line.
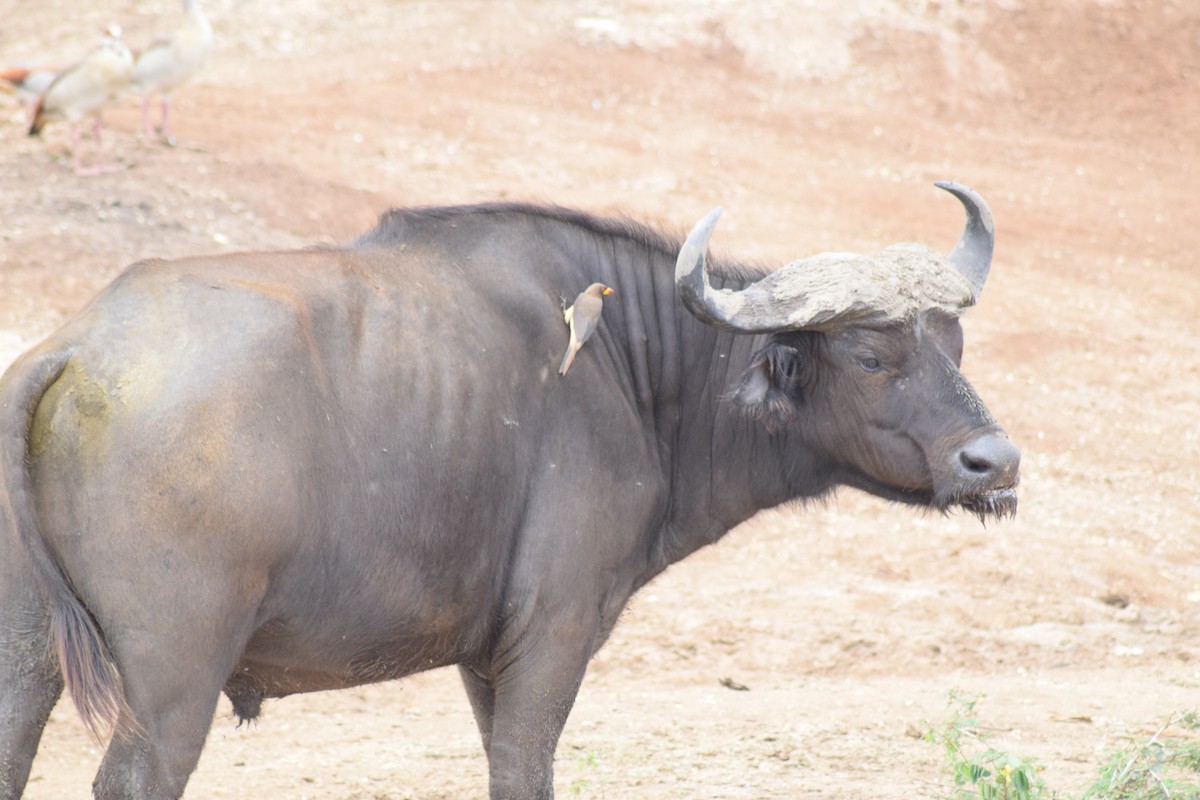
[975, 462]
[991, 458]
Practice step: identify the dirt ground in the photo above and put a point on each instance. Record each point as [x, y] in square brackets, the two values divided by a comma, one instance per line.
[819, 125]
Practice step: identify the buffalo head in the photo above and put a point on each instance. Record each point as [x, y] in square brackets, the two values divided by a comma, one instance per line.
[861, 363]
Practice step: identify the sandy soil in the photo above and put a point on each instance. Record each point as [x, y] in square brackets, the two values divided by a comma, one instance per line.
[819, 125]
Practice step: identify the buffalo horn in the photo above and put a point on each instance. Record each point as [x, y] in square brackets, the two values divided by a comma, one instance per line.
[691, 276]
[830, 290]
[972, 256]
[819, 292]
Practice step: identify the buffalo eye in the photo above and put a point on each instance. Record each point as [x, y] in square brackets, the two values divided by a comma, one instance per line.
[870, 364]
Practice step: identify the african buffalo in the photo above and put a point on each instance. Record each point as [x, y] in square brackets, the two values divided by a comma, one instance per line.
[272, 473]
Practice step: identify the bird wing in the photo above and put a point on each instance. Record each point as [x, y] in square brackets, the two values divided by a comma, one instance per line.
[586, 317]
[171, 60]
[154, 66]
[34, 82]
[90, 84]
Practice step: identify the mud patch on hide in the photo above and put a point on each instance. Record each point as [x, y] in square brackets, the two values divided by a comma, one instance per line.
[74, 413]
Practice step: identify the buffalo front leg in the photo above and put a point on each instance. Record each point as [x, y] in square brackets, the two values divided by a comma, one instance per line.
[482, 694]
[532, 696]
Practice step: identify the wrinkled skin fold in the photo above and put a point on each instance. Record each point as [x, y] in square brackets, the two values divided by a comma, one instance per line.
[271, 473]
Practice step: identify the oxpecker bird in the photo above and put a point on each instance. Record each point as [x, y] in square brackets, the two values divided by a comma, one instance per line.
[583, 317]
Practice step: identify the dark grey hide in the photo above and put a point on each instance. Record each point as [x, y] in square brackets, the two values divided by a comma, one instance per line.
[273, 473]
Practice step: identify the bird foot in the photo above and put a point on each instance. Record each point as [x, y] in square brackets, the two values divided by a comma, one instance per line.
[156, 134]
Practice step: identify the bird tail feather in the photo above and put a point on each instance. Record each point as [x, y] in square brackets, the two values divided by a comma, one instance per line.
[567, 359]
[35, 129]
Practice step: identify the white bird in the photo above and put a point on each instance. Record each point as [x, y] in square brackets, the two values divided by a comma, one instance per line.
[86, 89]
[169, 62]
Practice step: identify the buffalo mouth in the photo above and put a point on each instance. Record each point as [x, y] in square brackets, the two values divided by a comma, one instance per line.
[996, 503]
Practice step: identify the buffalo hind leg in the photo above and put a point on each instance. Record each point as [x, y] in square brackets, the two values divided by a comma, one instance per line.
[30, 685]
[173, 703]
[172, 683]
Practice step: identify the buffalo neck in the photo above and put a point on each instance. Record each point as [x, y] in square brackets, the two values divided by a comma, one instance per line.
[721, 466]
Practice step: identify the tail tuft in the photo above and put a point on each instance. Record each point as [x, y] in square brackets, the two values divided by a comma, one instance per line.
[90, 674]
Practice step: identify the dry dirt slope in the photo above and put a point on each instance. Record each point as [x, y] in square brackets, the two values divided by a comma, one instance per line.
[818, 125]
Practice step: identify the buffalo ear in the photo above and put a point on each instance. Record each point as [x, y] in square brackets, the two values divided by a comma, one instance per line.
[770, 387]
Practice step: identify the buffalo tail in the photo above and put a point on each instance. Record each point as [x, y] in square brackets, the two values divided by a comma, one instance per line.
[88, 668]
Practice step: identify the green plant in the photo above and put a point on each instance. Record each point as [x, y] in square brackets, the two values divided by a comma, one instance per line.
[979, 770]
[583, 765]
[1159, 768]
[1165, 766]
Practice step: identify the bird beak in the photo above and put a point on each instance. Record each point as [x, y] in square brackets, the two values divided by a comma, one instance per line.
[607, 290]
